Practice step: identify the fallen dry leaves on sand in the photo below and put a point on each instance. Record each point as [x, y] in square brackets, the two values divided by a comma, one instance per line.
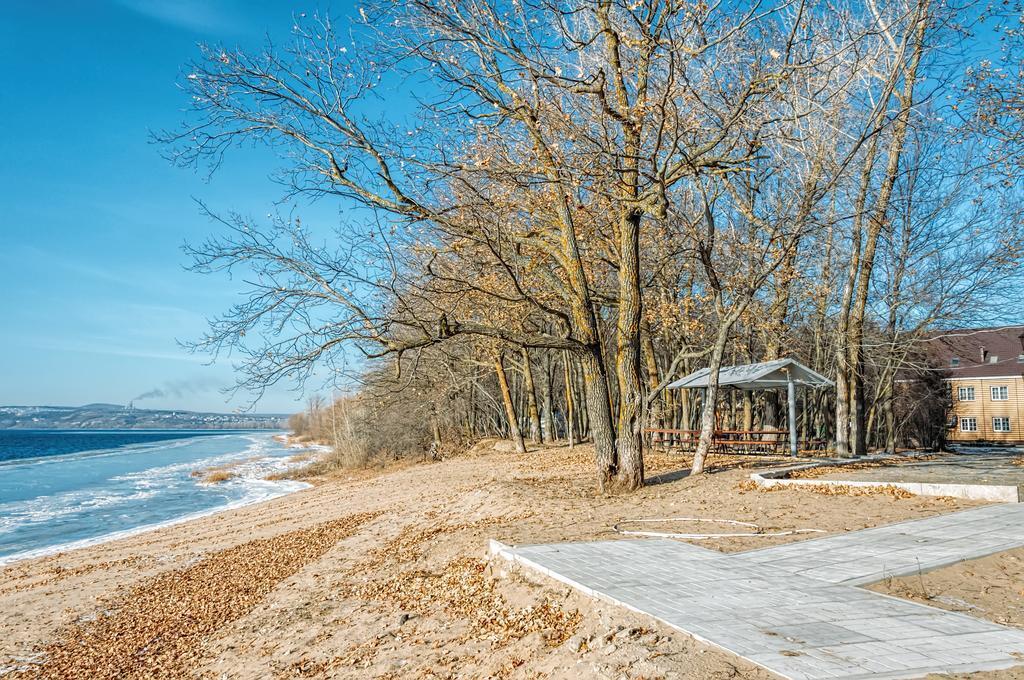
[460, 588]
[463, 590]
[821, 471]
[829, 489]
[158, 628]
[407, 546]
[23, 581]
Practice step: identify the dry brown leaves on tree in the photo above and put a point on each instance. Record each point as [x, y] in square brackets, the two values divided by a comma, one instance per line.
[158, 629]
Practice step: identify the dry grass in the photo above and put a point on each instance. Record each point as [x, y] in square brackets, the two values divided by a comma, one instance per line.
[991, 587]
[213, 475]
[322, 465]
[218, 474]
[331, 466]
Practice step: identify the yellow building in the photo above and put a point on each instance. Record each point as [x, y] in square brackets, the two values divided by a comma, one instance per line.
[985, 374]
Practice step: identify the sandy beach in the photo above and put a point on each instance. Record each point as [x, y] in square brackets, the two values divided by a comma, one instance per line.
[386, 574]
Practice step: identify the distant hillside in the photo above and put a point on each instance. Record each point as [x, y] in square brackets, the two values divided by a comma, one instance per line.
[113, 416]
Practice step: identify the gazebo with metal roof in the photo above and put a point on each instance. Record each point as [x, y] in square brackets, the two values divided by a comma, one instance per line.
[768, 375]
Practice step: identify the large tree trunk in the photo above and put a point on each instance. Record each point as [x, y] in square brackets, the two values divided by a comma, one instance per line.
[684, 414]
[599, 416]
[629, 442]
[821, 317]
[531, 397]
[595, 375]
[510, 408]
[435, 429]
[875, 225]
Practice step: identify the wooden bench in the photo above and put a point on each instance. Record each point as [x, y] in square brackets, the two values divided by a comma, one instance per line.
[722, 440]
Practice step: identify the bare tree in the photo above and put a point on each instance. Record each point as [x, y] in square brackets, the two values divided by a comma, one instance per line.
[624, 190]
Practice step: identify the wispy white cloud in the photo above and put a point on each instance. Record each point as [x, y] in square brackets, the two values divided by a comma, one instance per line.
[193, 15]
[49, 260]
[97, 345]
[167, 281]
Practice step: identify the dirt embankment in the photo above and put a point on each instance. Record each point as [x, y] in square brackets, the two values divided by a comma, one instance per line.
[385, 574]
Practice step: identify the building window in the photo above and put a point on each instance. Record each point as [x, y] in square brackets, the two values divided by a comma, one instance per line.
[954, 362]
[994, 359]
[969, 424]
[965, 394]
[1020, 358]
[1001, 424]
[1000, 393]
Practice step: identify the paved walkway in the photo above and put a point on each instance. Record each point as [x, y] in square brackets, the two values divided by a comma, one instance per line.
[989, 466]
[866, 556]
[792, 609]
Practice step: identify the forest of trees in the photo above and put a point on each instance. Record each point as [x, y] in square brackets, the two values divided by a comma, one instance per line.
[551, 210]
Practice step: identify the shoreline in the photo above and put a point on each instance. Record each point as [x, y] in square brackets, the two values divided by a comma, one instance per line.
[385, 573]
[256, 490]
[61, 548]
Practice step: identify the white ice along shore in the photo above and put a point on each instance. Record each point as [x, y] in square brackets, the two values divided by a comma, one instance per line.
[159, 490]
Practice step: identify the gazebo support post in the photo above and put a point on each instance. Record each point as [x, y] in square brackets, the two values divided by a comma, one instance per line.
[791, 398]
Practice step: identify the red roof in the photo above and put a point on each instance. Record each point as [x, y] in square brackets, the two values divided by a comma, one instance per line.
[980, 352]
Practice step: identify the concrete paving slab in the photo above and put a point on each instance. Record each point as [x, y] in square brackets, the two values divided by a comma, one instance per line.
[869, 555]
[792, 609]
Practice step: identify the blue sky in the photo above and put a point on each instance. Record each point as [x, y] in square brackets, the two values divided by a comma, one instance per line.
[94, 296]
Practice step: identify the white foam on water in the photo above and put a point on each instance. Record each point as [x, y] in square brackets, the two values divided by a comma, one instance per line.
[282, 488]
[46, 508]
[248, 485]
